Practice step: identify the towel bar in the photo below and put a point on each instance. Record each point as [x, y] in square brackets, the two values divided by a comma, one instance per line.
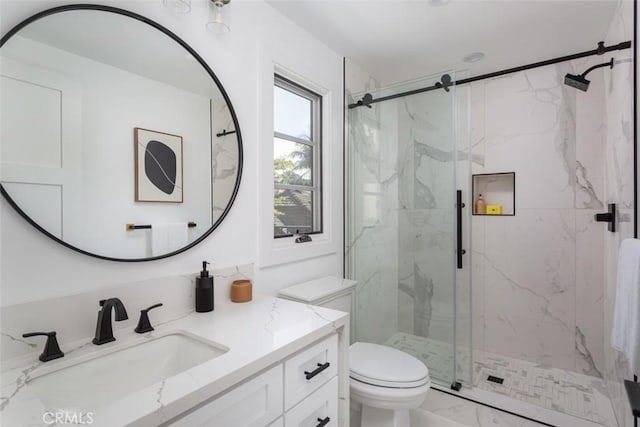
[130, 227]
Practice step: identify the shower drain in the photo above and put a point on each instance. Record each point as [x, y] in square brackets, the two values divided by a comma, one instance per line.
[493, 379]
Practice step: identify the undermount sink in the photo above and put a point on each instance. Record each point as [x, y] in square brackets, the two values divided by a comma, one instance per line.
[103, 379]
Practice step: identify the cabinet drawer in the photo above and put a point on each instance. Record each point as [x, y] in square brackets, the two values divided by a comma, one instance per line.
[255, 403]
[319, 409]
[308, 370]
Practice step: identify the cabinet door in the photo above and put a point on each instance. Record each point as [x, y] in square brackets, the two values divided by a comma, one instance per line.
[308, 370]
[319, 409]
[255, 403]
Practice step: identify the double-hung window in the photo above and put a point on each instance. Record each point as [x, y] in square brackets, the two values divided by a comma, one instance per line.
[297, 160]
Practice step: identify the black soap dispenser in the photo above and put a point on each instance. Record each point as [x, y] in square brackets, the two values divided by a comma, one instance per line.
[204, 290]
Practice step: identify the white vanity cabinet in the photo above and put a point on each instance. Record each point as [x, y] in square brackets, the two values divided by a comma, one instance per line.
[302, 391]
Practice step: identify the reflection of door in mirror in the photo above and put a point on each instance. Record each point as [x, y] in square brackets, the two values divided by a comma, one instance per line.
[112, 102]
[41, 150]
[69, 109]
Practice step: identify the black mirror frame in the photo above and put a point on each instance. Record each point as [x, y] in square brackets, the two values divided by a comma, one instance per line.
[198, 58]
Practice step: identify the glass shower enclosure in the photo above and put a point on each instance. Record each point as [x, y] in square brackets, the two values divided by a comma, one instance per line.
[408, 221]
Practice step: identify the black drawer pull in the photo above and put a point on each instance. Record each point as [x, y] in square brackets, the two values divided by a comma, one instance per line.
[321, 367]
[323, 422]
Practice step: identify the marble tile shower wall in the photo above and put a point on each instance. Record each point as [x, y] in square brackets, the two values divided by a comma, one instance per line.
[538, 276]
[426, 215]
[618, 184]
[434, 148]
[372, 192]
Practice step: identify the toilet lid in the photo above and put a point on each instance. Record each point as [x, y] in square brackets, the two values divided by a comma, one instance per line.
[386, 366]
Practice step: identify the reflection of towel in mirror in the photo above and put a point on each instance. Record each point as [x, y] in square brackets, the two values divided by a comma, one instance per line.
[625, 336]
[167, 237]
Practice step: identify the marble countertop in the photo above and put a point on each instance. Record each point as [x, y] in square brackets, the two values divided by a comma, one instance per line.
[258, 334]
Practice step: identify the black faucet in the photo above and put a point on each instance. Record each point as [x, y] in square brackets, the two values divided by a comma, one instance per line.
[104, 332]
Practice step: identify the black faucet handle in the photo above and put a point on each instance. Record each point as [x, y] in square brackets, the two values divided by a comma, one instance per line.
[144, 325]
[153, 306]
[51, 348]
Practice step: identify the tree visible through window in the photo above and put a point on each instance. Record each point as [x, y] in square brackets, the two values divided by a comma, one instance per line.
[297, 159]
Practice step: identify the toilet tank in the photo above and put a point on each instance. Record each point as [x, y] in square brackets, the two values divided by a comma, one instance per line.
[331, 292]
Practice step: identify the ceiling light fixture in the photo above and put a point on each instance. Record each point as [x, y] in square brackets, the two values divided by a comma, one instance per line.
[178, 6]
[218, 17]
[438, 2]
[473, 57]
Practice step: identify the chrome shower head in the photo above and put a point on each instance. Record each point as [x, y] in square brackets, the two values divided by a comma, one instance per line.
[579, 81]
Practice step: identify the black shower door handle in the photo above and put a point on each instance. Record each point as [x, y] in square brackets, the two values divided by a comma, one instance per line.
[459, 206]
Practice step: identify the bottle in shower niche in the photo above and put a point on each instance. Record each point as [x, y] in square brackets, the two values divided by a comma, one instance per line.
[480, 207]
[204, 290]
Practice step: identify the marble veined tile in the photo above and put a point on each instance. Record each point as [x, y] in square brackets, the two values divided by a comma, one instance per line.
[589, 339]
[530, 129]
[377, 318]
[478, 280]
[530, 286]
[426, 269]
[591, 132]
[529, 102]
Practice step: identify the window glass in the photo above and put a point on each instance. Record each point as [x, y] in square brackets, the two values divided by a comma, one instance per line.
[297, 159]
[293, 212]
[292, 162]
[292, 114]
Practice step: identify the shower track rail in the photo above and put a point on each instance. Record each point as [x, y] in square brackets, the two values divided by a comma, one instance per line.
[367, 100]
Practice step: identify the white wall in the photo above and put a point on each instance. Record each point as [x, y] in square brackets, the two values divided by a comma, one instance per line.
[35, 267]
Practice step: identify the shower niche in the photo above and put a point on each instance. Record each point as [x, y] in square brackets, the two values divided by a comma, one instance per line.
[498, 191]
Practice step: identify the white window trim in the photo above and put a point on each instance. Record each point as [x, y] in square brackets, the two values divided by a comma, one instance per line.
[309, 74]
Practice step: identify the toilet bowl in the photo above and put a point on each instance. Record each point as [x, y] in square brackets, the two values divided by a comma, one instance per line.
[387, 383]
[384, 383]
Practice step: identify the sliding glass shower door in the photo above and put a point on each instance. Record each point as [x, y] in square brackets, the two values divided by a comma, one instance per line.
[405, 166]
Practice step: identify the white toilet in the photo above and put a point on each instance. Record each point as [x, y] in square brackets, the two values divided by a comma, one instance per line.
[385, 382]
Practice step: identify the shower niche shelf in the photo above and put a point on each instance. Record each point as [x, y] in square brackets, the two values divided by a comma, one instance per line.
[497, 189]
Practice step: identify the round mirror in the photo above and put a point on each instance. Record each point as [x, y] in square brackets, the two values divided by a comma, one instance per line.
[116, 139]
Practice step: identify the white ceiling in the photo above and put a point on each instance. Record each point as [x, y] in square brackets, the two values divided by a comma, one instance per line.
[120, 42]
[398, 40]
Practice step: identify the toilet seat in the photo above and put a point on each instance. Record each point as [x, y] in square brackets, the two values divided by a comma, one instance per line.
[383, 366]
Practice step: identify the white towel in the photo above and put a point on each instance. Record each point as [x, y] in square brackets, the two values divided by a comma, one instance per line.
[625, 335]
[167, 237]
